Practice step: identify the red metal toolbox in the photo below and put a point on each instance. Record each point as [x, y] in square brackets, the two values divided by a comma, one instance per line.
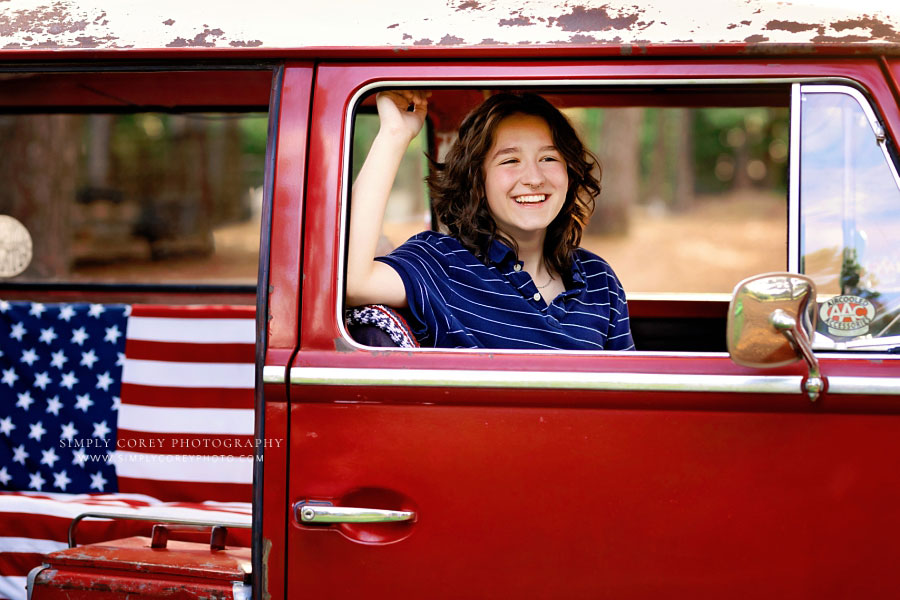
[141, 567]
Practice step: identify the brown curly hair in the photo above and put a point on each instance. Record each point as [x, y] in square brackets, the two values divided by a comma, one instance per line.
[457, 185]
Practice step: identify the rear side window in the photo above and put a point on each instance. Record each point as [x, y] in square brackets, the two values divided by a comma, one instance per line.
[135, 192]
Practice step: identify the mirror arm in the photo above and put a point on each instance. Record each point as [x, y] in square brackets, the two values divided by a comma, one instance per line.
[787, 325]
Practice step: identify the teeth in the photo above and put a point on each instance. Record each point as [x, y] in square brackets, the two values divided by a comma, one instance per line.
[530, 199]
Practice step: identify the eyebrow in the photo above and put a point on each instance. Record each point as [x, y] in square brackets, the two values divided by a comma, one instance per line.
[514, 149]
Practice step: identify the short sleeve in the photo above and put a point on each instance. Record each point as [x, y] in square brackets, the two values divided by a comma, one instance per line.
[423, 266]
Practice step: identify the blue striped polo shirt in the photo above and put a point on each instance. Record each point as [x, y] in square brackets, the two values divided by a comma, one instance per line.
[457, 301]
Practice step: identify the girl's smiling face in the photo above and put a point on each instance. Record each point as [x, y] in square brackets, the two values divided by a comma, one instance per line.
[525, 178]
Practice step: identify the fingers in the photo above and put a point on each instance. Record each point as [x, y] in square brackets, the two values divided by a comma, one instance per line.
[407, 100]
[402, 112]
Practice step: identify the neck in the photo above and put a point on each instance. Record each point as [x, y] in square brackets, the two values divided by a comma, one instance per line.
[531, 253]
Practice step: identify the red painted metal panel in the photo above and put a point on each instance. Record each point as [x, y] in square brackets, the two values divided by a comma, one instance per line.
[274, 507]
[287, 209]
[284, 307]
[576, 494]
[548, 502]
[138, 90]
[639, 51]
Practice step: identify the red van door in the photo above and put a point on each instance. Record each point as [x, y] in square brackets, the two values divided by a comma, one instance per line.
[509, 474]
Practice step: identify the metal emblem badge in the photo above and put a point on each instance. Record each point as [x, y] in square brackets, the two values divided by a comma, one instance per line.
[847, 316]
[15, 247]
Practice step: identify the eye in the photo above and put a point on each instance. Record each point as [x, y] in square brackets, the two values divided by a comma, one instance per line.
[549, 159]
[509, 161]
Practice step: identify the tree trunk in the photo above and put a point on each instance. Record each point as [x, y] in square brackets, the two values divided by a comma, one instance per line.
[38, 180]
[656, 189]
[683, 199]
[620, 157]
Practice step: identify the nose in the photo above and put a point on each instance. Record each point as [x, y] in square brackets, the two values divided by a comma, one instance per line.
[532, 175]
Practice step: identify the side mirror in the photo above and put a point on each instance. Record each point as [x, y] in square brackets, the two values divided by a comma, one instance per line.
[771, 320]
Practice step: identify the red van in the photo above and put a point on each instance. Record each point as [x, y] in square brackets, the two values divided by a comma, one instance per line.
[750, 207]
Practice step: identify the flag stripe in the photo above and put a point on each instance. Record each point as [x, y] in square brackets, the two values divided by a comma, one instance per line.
[151, 395]
[195, 311]
[188, 375]
[234, 492]
[187, 386]
[22, 545]
[156, 419]
[50, 511]
[204, 353]
[13, 587]
[189, 468]
[205, 331]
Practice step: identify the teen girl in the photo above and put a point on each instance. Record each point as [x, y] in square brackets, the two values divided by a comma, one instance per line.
[514, 195]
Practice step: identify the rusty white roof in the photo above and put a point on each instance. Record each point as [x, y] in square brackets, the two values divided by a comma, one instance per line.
[120, 24]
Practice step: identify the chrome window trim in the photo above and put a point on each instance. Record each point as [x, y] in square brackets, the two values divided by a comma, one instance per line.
[575, 380]
[346, 168]
[794, 182]
[557, 380]
[868, 386]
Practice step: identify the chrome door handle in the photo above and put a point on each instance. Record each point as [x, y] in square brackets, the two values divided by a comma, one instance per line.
[323, 513]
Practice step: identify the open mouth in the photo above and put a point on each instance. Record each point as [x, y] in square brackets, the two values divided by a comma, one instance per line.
[532, 199]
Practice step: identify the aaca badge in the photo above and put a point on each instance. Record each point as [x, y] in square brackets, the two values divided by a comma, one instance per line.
[847, 316]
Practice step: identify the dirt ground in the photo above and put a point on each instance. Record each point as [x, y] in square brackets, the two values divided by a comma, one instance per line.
[709, 249]
[234, 261]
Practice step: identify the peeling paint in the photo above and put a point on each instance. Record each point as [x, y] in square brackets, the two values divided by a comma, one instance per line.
[580, 38]
[470, 5]
[111, 24]
[198, 41]
[517, 22]
[54, 20]
[243, 44]
[847, 39]
[594, 19]
[451, 40]
[791, 26]
[90, 41]
[879, 29]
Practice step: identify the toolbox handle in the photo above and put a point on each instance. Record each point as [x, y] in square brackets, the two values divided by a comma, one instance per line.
[97, 515]
[160, 536]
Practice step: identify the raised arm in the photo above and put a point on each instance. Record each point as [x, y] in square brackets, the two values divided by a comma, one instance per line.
[370, 282]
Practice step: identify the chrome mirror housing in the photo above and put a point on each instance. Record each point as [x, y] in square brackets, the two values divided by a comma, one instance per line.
[771, 320]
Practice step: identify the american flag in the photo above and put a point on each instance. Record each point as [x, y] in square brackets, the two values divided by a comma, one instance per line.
[153, 403]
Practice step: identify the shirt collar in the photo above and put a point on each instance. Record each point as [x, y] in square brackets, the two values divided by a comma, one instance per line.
[500, 254]
[579, 278]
